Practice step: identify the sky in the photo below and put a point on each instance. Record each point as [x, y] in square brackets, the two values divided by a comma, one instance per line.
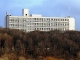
[52, 8]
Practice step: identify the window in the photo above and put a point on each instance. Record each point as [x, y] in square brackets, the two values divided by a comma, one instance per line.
[61, 19]
[51, 19]
[65, 19]
[56, 19]
[34, 18]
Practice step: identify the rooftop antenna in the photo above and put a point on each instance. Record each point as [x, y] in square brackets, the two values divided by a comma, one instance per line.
[6, 13]
[69, 12]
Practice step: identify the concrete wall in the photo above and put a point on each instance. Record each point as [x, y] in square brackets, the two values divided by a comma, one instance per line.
[71, 24]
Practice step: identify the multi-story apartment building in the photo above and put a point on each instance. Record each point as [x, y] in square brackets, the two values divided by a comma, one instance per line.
[33, 22]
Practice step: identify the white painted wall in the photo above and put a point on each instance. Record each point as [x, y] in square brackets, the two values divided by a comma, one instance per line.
[71, 24]
[36, 15]
[25, 11]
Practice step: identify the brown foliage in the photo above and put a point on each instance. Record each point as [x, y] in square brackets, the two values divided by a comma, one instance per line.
[50, 58]
[37, 43]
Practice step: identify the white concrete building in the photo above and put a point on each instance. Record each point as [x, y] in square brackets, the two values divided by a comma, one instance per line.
[33, 22]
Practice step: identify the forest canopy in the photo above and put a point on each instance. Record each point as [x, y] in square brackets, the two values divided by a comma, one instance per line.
[40, 43]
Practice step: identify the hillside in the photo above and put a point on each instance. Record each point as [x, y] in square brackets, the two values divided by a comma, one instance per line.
[55, 43]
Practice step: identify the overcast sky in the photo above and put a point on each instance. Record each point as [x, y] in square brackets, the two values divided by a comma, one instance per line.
[55, 8]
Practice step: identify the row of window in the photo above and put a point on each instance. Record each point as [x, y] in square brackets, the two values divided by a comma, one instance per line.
[37, 20]
[39, 25]
[48, 29]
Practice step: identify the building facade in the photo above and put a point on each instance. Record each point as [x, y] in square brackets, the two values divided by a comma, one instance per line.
[33, 22]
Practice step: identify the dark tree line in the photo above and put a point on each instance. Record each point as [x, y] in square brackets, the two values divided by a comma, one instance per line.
[37, 43]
